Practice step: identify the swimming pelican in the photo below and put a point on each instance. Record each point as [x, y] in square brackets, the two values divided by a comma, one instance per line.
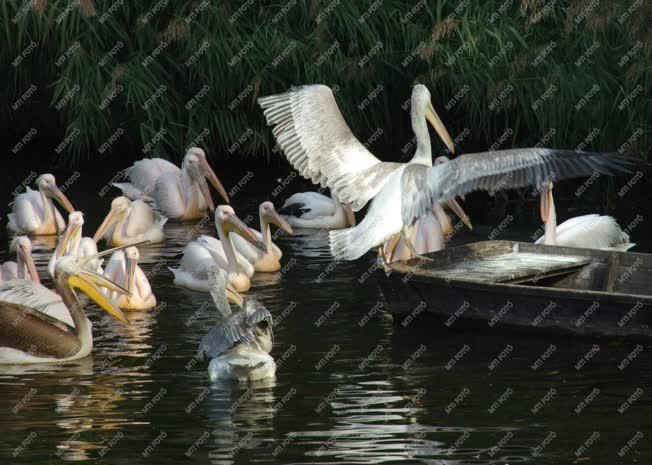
[313, 210]
[180, 194]
[127, 273]
[587, 231]
[129, 222]
[307, 116]
[29, 335]
[271, 260]
[23, 267]
[72, 243]
[33, 212]
[240, 343]
[206, 252]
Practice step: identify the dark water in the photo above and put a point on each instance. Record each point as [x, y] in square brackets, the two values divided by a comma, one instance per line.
[351, 386]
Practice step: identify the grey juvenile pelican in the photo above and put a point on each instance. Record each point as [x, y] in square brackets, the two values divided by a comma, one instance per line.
[240, 343]
[306, 117]
[28, 334]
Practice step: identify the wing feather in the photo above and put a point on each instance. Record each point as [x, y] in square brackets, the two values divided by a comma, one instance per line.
[316, 140]
[492, 171]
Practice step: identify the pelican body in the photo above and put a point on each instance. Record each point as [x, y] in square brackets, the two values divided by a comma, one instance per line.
[312, 210]
[207, 252]
[130, 222]
[123, 269]
[305, 117]
[29, 335]
[180, 194]
[240, 343]
[587, 231]
[23, 267]
[263, 261]
[33, 212]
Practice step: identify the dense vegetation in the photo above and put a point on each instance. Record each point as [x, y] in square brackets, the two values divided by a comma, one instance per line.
[164, 74]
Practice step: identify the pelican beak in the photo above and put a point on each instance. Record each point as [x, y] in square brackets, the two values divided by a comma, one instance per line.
[212, 177]
[444, 220]
[88, 282]
[275, 218]
[234, 224]
[234, 296]
[546, 195]
[350, 215]
[28, 260]
[435, 121]
[130, 270]
[62, 199]
[205, 192]
[110, 218]
[64, 242]
[461, 214]
[391, 247]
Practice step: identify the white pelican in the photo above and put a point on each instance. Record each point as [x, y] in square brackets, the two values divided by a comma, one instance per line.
[72, 243]
[312, 210]
[33, 212]
[263, 261]
[30, 335]
[180, 194]
[23, 267]
[127, 273]
[307, 116]
[240, 343]
[587, 231]
[206, 252]
[130, 222]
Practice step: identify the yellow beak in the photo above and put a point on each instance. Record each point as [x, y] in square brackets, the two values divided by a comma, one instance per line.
[88, 282]
[440, 129]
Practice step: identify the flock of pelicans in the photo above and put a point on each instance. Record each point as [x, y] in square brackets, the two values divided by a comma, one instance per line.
[406, 218]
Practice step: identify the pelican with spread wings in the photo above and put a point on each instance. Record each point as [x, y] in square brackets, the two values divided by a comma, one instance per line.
[311, 131]
[240, 343]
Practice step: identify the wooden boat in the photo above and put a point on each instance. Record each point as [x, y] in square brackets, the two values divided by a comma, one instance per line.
[583, 291]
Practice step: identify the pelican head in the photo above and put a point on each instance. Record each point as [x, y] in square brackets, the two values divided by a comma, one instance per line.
[199, 170]
[269, 214]
[22, 247]
[422, 107]
[546, 200]
[72, 273]
[119, 207]
[48, 186]
[227, 221]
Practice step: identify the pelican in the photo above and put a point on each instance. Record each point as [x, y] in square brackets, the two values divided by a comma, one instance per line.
[206, 252]
[72, 243]
[180, 194]
[123, 269]
[305, 117]
[312, 210]
[130, 222]
[30, 335]
[587, 231]
[33, 212]
[263, 261]
[428, 233]
[240, 343]
[23, 267]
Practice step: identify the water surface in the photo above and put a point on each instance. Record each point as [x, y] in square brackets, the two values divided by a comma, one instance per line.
[351, 387]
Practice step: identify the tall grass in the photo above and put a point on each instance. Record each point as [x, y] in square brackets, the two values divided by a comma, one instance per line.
[162, 75]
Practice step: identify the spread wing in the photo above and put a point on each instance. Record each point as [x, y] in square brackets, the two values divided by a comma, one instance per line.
[311, 131]
[224, 335]
[491, 171]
